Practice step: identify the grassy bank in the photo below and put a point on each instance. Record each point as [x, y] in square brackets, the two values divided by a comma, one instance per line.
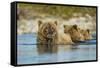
[66, 12]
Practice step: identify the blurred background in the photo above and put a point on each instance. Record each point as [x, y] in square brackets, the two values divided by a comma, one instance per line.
[29, 14]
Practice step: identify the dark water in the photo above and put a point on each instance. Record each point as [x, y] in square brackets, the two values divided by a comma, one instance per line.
[27, 53]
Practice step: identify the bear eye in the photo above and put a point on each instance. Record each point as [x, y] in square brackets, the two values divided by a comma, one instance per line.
[46, 30]
[53, 29]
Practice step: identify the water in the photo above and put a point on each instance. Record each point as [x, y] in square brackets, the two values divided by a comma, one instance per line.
[28, 53]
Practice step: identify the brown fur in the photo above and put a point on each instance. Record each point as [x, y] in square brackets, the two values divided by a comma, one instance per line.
[64, 39]
[86, 33]
[74, 32]
[47, 32]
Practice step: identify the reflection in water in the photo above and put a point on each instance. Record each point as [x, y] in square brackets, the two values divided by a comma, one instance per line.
[42, 49]
[34, 54]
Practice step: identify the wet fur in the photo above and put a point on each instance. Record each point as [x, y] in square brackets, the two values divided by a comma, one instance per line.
[47, 32]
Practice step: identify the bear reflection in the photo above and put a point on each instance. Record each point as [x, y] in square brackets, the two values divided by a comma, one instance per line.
[46, 48]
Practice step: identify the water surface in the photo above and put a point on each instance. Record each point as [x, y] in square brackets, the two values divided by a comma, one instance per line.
[29, 53]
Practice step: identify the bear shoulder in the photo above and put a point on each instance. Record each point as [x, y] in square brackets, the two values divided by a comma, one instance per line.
[64, 39]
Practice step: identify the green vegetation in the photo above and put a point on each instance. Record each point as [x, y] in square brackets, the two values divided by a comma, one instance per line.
[54, 10]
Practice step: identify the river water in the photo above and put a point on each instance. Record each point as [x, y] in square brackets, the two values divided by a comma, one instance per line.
[29, 53]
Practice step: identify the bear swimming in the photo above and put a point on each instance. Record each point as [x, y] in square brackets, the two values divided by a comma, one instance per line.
[47, 32]
[86, 33]
[74, 32]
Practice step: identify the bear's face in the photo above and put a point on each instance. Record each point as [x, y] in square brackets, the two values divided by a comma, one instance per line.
[74, 32]
[86, 34]
[48, 29]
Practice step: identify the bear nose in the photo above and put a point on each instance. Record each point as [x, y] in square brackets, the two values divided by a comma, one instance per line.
[50, 31]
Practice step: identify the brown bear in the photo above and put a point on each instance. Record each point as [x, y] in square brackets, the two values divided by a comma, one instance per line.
[74, 32]
[47, 37]
[47, 32]
[86, 33]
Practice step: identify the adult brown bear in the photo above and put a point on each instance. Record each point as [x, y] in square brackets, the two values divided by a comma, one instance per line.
[47, 32]
[47, 37]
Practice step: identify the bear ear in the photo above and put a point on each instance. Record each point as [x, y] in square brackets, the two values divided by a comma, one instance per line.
[75, 26]
[39, 22]
[64, 26]
[88, 30]
[56, 22]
